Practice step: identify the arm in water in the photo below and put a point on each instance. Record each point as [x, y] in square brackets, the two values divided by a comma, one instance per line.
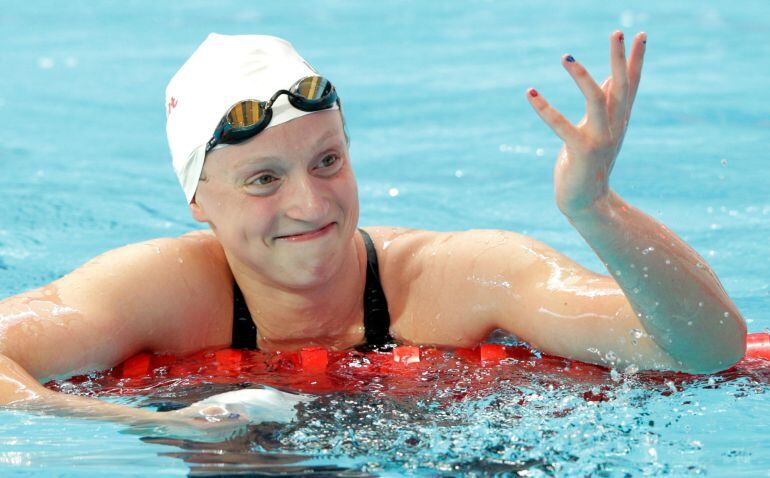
[676, 296]
[118, 304]
[19, 390]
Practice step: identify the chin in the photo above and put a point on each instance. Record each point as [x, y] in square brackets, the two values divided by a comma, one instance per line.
[307, 280]
[313, 271]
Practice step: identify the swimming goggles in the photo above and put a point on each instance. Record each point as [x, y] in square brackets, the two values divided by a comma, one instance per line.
[248, 117]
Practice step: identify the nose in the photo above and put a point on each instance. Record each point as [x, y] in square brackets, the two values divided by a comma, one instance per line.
[307, 201]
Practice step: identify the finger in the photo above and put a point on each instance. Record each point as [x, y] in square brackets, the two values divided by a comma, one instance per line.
[606, 84]
[596, 108]
[618, 98]
[551, 116]
[635, 62]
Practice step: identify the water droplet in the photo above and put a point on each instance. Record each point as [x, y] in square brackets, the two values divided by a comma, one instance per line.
[636, 290]
[668, 261]
[617, 273]
[689, 322]
[636, 333]
[459, 173]
[393, 192]
[648, 250]
[46, 63]
[727, 314]
[699, 265]
[700, 304]
[724, 162]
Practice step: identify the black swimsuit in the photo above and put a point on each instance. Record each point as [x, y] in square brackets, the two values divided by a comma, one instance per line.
[376, 316]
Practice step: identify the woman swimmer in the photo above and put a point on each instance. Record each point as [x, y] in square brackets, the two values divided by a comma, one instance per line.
[279, 195]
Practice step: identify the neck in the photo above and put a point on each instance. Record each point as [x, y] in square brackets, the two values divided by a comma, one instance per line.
[329, 315]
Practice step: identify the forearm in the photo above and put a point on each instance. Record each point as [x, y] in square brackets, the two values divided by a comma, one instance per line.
[20, 390]
[674, 292]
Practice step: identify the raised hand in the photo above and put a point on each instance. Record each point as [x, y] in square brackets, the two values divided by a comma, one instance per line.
[583, 166]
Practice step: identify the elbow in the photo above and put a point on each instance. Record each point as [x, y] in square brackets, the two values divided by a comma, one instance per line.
[722, 356]
[16, 385]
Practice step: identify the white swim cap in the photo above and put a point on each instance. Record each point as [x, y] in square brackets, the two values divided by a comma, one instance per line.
[224, 70]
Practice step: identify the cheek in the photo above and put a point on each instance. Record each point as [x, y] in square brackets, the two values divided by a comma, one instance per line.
[237, 219]
[348, 195]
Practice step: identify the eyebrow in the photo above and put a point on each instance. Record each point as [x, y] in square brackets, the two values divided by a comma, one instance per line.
[248, 160]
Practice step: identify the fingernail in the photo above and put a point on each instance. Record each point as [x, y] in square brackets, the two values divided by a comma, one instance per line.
[532, 92]
[570, 59]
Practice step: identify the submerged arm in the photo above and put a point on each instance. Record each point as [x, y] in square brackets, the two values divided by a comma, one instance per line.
[122, 302]
[20, 391]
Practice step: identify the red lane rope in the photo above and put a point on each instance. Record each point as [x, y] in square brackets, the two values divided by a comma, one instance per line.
[316, 369]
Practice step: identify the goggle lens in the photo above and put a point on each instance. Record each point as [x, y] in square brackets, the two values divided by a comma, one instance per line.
[246, 114]
[314, 89]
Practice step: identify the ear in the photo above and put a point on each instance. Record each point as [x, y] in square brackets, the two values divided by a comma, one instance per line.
[197, 212]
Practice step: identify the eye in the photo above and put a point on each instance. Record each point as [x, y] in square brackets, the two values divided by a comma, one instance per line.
[330, 164]
[329, 160]
[262, 180]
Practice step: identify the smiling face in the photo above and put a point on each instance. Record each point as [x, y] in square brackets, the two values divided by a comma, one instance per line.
[284, 204]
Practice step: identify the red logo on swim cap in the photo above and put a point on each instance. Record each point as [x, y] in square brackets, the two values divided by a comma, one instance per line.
[171, 105]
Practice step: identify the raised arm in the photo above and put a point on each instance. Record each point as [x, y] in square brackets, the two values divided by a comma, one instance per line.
[661, 307]
[672, 290]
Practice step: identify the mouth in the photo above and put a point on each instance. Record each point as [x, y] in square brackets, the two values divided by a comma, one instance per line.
[309, 235]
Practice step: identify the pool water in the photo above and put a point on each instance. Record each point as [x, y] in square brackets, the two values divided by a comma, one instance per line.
[442, 138]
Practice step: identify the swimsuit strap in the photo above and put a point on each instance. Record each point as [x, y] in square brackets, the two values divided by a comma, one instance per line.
[376, 316]
[244, 329]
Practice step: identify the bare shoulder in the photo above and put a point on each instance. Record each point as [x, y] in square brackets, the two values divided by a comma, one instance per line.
[183, 282]
[166, 294]
[415, 249]
[432, 280]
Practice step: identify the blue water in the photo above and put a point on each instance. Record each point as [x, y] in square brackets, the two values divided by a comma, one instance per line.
[442, 138]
